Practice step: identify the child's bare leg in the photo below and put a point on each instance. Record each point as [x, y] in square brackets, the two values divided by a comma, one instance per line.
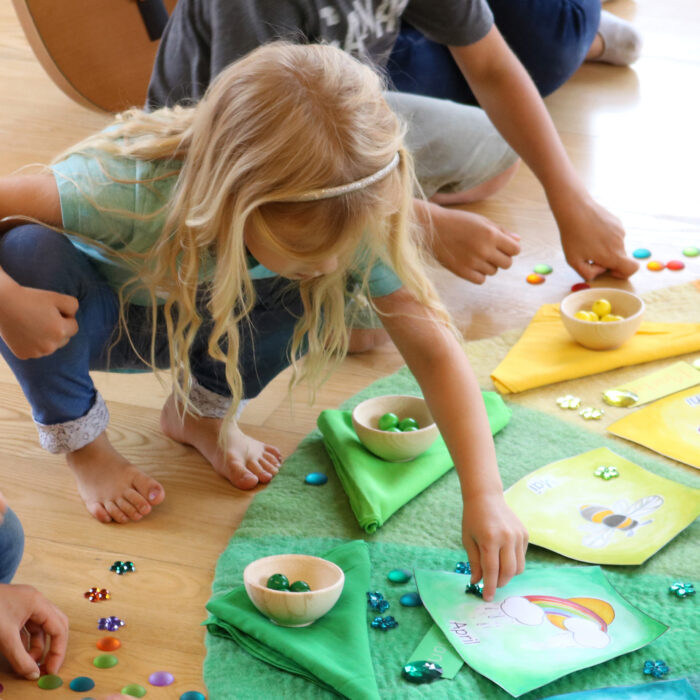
[478, 192]
[113, 489]
[245, 462]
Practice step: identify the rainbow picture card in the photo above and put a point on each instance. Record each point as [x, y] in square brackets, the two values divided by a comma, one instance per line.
[670, 427]
[621, 520]
[544, 624]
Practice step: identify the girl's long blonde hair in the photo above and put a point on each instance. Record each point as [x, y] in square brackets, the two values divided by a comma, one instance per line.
[282, 121]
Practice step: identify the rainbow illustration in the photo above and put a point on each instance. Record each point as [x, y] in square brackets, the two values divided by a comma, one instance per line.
[559, 609]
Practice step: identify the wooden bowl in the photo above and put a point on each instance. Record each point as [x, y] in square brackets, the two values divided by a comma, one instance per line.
[602, 335]
[288, 609]
[394, 447]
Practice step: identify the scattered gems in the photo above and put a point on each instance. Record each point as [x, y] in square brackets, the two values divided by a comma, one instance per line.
[122, 567]
[421, 671]
[682, 590]
[384, 623]
[410, 600]
[95, 595]
[475, 588]
[657, 668]
[642, 253]
[620, 398]
[579, 286]
[108, 644]
[399, 576]
[542, 269]
[50, 682]
[591, 413]
[316, 479]
[691, 252]
[111, 624]
[463, 567]
[675, 265]
[569, 401]
[82, 684]
[376, 601]
[134, 690]
[606, 473]
[105, 661]
[161, 678]
[192, 695]
[534, 278]
[655, 265]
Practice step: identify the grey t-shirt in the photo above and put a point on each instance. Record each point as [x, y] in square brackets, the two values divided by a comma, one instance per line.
[204, 36]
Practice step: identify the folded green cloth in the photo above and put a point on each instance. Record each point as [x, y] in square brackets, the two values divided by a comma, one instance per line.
[377, 489]
[333, 652]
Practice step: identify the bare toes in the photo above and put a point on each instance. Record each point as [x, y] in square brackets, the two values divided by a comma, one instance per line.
[98, 512]
[117, 515]
[149, 488]
[137, 501]
[241, 478]
[271, 450]
[128, 509]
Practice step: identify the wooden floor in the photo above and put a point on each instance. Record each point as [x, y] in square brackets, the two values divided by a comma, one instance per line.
[633, 136]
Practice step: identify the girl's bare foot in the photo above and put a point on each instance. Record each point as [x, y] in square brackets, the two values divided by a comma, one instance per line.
[245, 462]
[113, 489]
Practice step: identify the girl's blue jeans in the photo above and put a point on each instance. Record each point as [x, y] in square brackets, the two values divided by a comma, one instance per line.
[550, 37]
[11, 545]
[67, 409]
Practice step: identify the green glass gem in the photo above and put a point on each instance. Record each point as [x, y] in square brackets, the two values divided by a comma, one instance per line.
[105, 661]
[421, 671]
[621, 398]
[395, 429]
[410, 429]
[407, 424]
[542, 269]
[399, 576]
[134, 689]
[278, 582]
[388, 421]
[49, 682]
[691, 252]
[299, 587]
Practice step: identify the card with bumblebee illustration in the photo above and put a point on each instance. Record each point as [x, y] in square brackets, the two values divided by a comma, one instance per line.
[601, 508]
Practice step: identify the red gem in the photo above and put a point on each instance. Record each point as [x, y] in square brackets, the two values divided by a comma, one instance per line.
[579, 286]
[675, 265]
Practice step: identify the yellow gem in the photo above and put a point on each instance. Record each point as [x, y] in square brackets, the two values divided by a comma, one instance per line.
[602, 307]
[615, 397]
[611, 317]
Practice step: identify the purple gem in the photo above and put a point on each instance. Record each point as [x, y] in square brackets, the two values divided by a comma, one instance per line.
[161, 678]
[111, 624]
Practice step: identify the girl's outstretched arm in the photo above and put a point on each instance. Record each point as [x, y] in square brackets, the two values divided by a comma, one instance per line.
[33, 322]
[493, 537]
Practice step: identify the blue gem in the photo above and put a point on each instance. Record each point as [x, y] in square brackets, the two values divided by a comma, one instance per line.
[421, 671]
[642, 253]
[399, 576]
[682, 590]
[377, 602]
[476, 589]
[410, 600]
[384, 623]
[463, 567]
[315, 479]
[657, 668]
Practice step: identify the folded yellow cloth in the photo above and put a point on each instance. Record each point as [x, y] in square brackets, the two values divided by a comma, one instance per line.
[546, 353]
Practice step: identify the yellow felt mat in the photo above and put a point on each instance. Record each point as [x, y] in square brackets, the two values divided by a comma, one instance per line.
[671, 304]
[546, 353]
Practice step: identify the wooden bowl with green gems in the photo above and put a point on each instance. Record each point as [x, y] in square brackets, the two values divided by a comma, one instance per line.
[395, 444]
[602, 318]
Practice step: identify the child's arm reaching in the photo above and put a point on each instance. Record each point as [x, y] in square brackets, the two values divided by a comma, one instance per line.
[493, 537]
[506, 92]
[33, 322]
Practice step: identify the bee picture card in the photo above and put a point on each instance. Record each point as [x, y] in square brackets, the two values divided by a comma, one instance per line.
[544, 624]
[601, 508]
[670, 427]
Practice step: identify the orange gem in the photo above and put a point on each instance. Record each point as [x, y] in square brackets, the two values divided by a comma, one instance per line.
[108, 644]
[655, 265]
[534, 278]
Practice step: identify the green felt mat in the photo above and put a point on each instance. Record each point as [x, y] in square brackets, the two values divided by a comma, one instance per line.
[288, 516]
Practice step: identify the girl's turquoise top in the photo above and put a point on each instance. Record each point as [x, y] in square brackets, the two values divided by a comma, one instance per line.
[121, 203]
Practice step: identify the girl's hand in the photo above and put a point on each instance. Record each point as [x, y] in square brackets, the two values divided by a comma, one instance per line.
[23, 607]
[593, 239]
[495, 540]
[35, 322]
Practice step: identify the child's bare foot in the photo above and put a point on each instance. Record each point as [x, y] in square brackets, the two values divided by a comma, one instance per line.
[113, 489]
[245, 462]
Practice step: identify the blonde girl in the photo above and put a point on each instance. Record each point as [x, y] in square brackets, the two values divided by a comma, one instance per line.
[219, 241]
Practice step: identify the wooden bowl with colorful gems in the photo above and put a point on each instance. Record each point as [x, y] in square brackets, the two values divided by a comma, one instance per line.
[383, 425]
[293, 590]
[602, 318]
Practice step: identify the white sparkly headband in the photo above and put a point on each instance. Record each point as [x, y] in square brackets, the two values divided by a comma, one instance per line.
[328, 192]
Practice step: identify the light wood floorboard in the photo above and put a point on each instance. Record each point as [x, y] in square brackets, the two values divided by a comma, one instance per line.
[631, 133]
